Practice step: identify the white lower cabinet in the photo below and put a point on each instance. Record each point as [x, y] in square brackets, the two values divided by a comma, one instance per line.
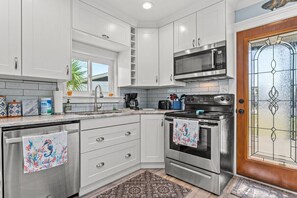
[110, 149]
[102, 163]
[152, 139]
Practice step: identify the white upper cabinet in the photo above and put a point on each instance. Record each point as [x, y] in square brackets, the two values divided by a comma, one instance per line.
[148, 61]
[211, 24]
[185, 33]
[10, 37]
[91, 20]
[152, 139]
[46, 39]
[166, 72]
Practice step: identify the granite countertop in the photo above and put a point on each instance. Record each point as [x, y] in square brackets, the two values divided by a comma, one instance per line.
[20, 121]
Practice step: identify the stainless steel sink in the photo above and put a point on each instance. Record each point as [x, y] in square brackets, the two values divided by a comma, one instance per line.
[101, 112]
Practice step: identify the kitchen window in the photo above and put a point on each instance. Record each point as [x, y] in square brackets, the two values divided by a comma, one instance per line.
[88, 72]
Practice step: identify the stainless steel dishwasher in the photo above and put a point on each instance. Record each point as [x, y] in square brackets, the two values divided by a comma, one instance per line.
[57, 182]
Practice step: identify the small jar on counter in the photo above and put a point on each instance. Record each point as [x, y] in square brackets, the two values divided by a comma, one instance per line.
[14, 109]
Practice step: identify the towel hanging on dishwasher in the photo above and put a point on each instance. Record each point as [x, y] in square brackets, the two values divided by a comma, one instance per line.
[186, 132]
[44, 151]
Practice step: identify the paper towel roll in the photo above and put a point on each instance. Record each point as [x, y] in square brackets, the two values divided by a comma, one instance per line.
[58, 102]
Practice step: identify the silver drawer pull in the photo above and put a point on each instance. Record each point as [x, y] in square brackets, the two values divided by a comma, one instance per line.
[101, 139]
[128, 155]
[128, 133]
[100, 165]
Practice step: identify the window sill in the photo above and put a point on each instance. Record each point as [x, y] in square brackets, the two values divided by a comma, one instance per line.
[91, 99]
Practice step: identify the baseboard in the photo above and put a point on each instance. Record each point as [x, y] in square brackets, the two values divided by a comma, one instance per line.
[153, 165]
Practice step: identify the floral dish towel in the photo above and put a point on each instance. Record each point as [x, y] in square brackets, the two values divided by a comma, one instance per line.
[44, 151]
[186, 132]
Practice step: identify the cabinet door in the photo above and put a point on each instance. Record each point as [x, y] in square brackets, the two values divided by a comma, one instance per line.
[148, 62]
[46, 31]
[101, 24]
[10, 37]
[152, 138]
[211, 24]
[185, 33]
[166, 54]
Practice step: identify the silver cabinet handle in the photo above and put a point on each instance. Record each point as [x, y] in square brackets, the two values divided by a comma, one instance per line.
[15, 63]
[193, 42]
[68, 71]
[162, 123]
[101, 139]
[128, 133]
[128, 155]
[105, 36]
[156, 79]
[199, 41]
[171, 77]
[100, 165]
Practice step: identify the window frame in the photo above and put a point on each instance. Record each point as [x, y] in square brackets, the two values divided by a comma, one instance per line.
[112, 73]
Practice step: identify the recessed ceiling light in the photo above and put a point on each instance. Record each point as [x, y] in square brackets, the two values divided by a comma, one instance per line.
[147, 5]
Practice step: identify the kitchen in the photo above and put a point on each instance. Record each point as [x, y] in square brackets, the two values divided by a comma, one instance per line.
[110, 98]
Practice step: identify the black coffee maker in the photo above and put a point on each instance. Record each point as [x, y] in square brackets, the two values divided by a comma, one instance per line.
[131, 101]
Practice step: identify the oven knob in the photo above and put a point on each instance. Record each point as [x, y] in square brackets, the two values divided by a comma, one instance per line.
[222, 98]
[228, 99]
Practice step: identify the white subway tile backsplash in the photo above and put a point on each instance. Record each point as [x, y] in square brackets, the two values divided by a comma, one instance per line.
[20, 85]
[49, 87]
[2, 85]
[38, 93]
[11, 92]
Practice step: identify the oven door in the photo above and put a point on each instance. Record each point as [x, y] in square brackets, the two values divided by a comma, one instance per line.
[207, 153]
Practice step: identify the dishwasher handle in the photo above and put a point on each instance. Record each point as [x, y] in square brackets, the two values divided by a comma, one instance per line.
[20, 139]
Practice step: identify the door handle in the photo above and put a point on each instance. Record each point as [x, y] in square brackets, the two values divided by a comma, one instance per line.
[241, 111]
[156, 79]
[193, 42]
[105, 36]
[213, 53]
[67, 67]
[128, 133]
[162, 123]
[241, 101]
[171, 77]
[199, 41]
[15, 63]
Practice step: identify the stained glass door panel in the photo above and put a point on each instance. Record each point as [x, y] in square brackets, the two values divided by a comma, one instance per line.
[272, 100]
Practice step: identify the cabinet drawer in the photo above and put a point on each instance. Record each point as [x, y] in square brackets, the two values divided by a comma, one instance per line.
[99, 164]
[109, 136]
[107, 122]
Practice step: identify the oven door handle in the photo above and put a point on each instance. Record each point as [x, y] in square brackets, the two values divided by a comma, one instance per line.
[208, 124]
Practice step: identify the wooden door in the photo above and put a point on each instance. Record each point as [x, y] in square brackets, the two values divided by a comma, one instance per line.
[185, 33]
[268, 154]
[152, 138]
[46, 39]
[211, 24]
[10, 37]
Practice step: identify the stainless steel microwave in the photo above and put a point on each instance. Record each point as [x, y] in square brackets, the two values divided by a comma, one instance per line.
[204, 62]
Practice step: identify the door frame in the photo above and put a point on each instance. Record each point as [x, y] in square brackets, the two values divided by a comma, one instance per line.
[276, 175]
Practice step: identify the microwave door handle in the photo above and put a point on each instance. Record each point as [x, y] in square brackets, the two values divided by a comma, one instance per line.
[213, 53]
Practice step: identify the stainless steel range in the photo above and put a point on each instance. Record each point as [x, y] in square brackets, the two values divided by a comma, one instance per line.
[210, 165]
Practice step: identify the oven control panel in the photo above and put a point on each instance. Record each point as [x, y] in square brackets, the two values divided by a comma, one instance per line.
[221, 99]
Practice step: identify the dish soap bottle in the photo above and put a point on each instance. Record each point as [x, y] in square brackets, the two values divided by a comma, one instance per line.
[68, 107]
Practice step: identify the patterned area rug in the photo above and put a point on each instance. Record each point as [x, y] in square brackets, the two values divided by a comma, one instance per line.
[249, 189]
[146, 185]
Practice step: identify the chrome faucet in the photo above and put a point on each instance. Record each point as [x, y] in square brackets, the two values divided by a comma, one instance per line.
[96, 107]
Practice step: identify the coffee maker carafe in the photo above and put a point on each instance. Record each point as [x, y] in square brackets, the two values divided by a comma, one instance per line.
[131, 101]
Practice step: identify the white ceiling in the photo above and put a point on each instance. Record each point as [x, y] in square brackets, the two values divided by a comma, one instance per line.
[160, 10]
